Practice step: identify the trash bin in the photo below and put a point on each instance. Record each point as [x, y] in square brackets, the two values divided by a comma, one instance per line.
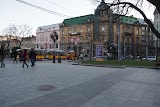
[59, 60]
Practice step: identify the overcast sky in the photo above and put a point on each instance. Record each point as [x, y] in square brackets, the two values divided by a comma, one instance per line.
[14, 12]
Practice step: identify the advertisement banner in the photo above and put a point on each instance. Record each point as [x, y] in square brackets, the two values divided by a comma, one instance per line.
[99, 51]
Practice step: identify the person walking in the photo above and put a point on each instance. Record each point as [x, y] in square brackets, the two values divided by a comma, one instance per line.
[24, 58]
[15, 53]
[20, 56]
[32, 56]
[2, 56]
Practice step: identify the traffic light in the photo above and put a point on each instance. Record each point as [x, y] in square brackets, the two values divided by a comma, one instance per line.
[52, 37]
[56, 37]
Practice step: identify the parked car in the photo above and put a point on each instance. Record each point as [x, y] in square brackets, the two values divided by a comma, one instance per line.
[129, 57]
[150, 58]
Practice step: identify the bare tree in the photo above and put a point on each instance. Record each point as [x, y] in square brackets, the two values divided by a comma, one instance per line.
[18, 31]
[123, 7]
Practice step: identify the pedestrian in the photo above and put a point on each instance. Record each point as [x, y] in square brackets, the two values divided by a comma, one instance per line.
[20, 56]
[15, 53]
[2, 56]
[24, 58]
[81, 55]
[11, 55]
[32, 56]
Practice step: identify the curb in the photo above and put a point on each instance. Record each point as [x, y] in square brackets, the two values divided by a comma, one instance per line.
[109, 66]
[112, 66]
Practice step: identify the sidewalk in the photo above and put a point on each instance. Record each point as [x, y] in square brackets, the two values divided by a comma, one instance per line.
[64, 85]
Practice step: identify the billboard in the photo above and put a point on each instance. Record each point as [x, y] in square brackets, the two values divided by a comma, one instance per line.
[99, 51]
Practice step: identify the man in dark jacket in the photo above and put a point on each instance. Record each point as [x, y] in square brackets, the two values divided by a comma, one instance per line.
[15, 53]
[2, 55]
[32, 56]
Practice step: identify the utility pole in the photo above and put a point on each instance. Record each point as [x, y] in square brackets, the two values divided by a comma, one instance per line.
[118, 33]
[54, 37]
[147, 33]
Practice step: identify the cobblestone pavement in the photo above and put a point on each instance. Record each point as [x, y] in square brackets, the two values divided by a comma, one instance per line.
[77, 86]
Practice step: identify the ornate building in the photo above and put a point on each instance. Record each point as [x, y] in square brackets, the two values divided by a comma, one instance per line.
[82, 34]
[77, 34]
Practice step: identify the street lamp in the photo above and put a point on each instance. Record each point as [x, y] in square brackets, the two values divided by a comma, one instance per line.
[118, 32]
[54, 37]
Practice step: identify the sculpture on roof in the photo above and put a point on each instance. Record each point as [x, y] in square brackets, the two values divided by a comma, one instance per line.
[102, 9]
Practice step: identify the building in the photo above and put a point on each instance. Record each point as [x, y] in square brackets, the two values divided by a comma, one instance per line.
[28, 42]
[77, 34]
[10, 41]
[98, 33]
[148, 41]
[43, 39]
[157, 26]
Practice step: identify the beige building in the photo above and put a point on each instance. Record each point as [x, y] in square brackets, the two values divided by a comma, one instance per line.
[10, 41]
[28, 42]
[83, 34]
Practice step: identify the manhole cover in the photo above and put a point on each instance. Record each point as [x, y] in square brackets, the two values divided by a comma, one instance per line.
[46, 88]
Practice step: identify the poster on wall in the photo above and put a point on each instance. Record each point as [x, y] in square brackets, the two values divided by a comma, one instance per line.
[99, 51]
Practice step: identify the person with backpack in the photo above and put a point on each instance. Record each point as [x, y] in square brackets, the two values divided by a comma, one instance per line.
[2, 55]
[32, 56]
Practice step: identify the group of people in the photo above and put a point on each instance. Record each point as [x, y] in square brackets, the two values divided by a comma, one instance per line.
[22, 55]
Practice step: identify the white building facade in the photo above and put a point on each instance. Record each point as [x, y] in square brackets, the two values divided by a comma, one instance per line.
[157, 25]
[43, 39]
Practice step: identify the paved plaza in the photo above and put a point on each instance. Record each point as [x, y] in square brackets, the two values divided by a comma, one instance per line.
[77, 86]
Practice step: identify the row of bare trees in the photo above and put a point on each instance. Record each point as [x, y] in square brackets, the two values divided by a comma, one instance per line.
[19, 31]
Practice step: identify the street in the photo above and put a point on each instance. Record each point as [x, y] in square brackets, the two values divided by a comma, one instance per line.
[50, 84]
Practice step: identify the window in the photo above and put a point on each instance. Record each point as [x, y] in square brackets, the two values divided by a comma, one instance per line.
[143, 28]
[63, 32]
[143, 33]
[69, 31]
[137, 31]
[89, 29]
[81, 29]
[81, 39]
[103, 28]
[137, 39]
[63, 40]
[69, 40]
[128, 40]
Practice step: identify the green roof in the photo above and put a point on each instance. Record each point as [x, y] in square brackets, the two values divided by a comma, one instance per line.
[78, 20]
[126, 19]
[90, 18]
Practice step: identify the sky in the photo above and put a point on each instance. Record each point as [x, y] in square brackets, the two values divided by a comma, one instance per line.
[14, 12]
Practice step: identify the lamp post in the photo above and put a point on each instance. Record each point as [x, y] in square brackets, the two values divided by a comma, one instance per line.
[119, 44]
[54, 37]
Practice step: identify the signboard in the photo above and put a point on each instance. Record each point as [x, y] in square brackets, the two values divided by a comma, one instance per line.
[99, 51]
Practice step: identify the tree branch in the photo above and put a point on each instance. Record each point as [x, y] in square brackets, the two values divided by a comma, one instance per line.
[155, 3]
[144, 16]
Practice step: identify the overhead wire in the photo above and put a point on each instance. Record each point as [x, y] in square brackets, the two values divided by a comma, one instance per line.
[41, 8]
[73, 10]
[58, 5]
